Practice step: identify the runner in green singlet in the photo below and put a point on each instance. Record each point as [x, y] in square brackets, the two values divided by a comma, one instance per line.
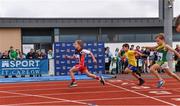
[162, 63]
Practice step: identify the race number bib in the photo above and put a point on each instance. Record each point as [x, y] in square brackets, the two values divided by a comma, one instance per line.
[106, 60]
[140, 62]
[160, 56]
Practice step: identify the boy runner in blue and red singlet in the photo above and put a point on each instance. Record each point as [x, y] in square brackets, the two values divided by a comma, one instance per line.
[80, 55]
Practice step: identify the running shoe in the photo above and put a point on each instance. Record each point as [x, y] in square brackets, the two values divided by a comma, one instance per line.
[160, 83]
[102, 81]
[141, 81]
[73, 84]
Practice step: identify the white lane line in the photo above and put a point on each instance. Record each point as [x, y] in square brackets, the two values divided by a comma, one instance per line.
[54, 94]
[79, 100]
[47, 97]
[51, 84]
[85, 100]
[141, 94]
[45, 82]
[44, 89]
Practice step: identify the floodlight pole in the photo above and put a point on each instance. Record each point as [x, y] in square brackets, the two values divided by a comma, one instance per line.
[168, 26]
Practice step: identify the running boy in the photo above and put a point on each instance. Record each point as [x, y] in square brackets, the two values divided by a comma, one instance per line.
[132, 63]
[162, 63]
[80, 55]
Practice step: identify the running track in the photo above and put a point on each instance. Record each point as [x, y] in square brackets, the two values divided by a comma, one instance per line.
[120, 91]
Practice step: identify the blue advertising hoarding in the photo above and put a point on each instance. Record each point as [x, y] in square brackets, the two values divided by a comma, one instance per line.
[62, 65]
[23, 67]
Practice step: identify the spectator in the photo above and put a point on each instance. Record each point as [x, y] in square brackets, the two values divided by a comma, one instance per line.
[12, 53]
[21, 55]
[117, 52]
[44, 55]
[139, 60]
[177, 24]
[146, 60]
[177, 48]
[108, 58]
[39, 55]
[50, 54]
[124, 61]
[18, 52]
[138, 50]
[31, 54]
[132, 47]
[1, 54]
[176, 58]
[5, 55]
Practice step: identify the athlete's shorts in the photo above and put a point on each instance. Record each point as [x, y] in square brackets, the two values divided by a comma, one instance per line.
[164, 65]
[133, 68]
[81, 68]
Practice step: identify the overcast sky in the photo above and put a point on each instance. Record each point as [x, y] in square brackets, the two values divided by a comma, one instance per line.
[81, 8]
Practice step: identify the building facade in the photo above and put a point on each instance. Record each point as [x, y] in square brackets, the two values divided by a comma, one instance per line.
[43, 32]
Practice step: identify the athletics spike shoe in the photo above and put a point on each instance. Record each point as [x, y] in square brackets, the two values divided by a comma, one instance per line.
[160, 83]
[73, 84]
[102, 81]
[141, 81]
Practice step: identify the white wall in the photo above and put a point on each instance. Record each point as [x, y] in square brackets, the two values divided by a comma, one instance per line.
[113, 46]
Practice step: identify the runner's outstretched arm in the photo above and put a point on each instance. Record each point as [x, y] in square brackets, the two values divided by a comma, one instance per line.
[148, 47]
[172, 50]
[93, 57]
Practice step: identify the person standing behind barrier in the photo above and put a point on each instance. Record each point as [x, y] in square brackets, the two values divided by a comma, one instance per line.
[176, 58]
[12, 53]
[138, 57]
[50, 57]
[0, 54]
[50, 54]
[117, 60]
[177, 24]
[21, 55]
[5, 55]
[146, 60]
[31, 54]
[132, 47]
[108, 58]
[124, 60]
[39, 54]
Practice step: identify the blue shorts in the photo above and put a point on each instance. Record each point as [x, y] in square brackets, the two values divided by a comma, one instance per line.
[132, 68]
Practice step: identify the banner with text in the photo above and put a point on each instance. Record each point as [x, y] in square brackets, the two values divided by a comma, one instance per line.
[23, 67]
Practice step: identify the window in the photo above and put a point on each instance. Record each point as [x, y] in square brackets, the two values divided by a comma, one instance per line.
[143, 38]
[176, 37]
[105, 38]
[127, 38]
[37, 39]
[68, 38]
[88, 37]
[109, 37]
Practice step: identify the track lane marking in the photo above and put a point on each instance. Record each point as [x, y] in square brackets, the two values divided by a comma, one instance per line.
[132, 91]
[90, 100]
[54, 94]
[47, 97]
[43, 89]
[64, 84]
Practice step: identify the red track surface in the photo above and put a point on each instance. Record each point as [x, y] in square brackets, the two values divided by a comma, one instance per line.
[90, 92]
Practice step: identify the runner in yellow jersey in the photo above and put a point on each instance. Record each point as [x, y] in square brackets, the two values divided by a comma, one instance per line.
[132, 63]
